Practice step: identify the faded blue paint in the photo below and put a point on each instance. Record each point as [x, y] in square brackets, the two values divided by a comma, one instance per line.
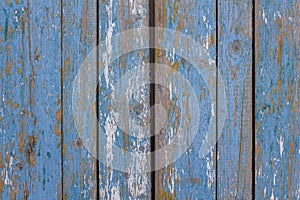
[190, 176]
[79, 38]
[235, 65]
[30, 99]
[115, 17]
[30, 94]
[277, 100]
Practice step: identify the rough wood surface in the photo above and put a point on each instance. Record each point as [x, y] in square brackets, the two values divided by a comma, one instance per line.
[277, 100]
[79, 37]
[189, 177]
[115, 17]
[235, 64]
[43, 44]
[30, 153]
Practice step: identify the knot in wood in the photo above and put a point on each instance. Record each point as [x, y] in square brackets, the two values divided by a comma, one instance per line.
[236, 46]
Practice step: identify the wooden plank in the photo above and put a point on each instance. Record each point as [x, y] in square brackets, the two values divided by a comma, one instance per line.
[116, 16]
[235, 65]
[79, 37]
[189, 177]
[277, 100]
[30, 164]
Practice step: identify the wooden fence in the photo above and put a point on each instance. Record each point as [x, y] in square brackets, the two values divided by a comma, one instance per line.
[255, 46]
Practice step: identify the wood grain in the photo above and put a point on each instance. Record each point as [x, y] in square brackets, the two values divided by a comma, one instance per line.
[79, 37]
[235, 66]
[29, 126]
[189, 177]
[277, 100]
[116, 17]
[43, 44]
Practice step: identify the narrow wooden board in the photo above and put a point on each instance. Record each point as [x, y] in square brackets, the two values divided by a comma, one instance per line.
[79, 37]
[277, 120]
[30, 162]
[235, 66]
[189, 177]
[116, 16]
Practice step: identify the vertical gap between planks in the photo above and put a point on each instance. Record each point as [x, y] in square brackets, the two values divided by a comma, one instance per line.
[253, 99]
[62, 100]
[217, 73]
[97, 103]
[152, 93]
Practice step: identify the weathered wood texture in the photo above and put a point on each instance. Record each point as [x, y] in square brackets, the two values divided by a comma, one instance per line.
[79, 37]
[189, 177]
[30, 155]
[235, 65]
[277, 100]
[42, 45]
[115, 17]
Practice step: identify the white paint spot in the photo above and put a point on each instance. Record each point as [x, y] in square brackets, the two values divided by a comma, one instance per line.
[111, 25]
[7, 181]
[212, 109]
[272, 195]
[207, 41]
[210, 171]
[281, 147]
[264, 16]
[111, 129]
[137, 184]
[274, 178]
[170, 88]
[115, 193]
[260, 172]
[171, 183]
[277, 15]
[11, 159]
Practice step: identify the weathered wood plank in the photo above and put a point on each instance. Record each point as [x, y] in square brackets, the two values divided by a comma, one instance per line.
[277, 100]
[79, 37]
[30, 164]
[116, 16]
[189, 177]
[235, 65]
